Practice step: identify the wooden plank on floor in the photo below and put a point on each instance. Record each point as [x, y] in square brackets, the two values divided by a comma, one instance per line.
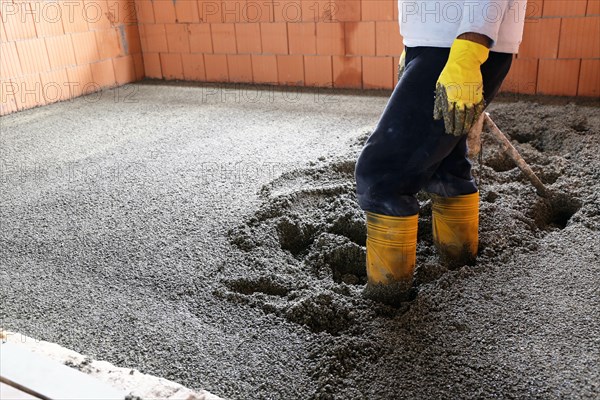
[49, 379]
[11, 393]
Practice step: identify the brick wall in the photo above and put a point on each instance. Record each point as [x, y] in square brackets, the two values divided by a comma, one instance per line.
[55, 50]
[348, 43]
[344, 44]
[46, 44]
[560, 53]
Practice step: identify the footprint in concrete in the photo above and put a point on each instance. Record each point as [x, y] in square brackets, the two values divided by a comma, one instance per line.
[259, 285]
[321, 312]
[340, 257]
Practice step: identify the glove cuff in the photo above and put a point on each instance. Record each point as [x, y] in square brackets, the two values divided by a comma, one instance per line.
[465, 51]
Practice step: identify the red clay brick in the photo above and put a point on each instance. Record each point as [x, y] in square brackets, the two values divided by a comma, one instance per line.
[290, 70]
[216, 67]
[28, 91]
[10, 65]
[522, 77]
[143, 41]
[540, 39]
[258, 11]
[378, 72]
[388, 39]
[178, 38]
[378, 10]
[3, 37]
[132, 38]
[18, 22]
[247, 36]
[264, 69]
[589, 78]
[109, 44]
[155, 37]
[33, 56]
[580, 38]
[330, 38]
[347, 72]
[85, 46]
[360, 38]
[593, 7]
[317, 10]
[200, 38]
[164, 11]
[187, 11]
[240, 67]
[138, 64]
[54, 87]
[103, 73]
[209, 11]
[558, 8]
[287, 11]
[302, 38]
[125, 11]
[47, 18]
[222, 11]
[80, 79]
[274, 38]
[232, 10]
[558, 77]
[171, 65]
[347, 10]
[534, 9]
[223, 38]
[144, 11]
[193, 67]
[152, 68]
[124, 70]
[60, 51]
[99, 15]
[73, 16]
[318, 71]
[8, 103]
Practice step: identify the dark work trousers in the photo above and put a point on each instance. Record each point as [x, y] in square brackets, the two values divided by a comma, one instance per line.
[409, 151]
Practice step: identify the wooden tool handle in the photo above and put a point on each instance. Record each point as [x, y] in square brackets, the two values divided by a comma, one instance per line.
[516, 157]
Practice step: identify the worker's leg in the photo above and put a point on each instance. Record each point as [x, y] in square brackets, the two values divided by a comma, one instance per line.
[456, 199]
[399, 158]
[407, 145]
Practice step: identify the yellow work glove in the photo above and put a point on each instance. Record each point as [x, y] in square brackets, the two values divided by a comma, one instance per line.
[459, 89]
[401, 64]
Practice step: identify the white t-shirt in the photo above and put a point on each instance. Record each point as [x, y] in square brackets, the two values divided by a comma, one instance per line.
[437, 23]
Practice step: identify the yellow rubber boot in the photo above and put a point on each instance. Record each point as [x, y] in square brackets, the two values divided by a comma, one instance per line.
[391, 257]
[455, 228]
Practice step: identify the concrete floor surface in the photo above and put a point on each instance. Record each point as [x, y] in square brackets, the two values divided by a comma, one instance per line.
[115, 220]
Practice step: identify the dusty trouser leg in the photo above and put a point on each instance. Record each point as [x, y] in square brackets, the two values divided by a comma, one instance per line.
[398, 159]
[455, 208]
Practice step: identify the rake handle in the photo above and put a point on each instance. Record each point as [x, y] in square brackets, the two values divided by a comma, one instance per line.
[509, 149]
